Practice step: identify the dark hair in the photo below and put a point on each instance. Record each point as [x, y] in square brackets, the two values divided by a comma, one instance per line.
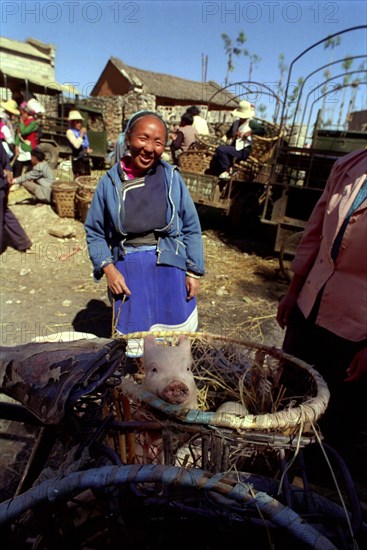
[141, 114]
[187, 118]
[193, 110]
[38, 153]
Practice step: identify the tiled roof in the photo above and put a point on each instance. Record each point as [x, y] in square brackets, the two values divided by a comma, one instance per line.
[174, 87]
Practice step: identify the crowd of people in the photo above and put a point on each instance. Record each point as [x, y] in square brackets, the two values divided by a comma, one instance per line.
[24, 163]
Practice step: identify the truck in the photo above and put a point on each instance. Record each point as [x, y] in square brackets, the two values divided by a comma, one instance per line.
[52, 136]
[53, 127]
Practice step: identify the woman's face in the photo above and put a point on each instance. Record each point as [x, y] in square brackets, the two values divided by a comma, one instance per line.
[146, 140]
[23, 115]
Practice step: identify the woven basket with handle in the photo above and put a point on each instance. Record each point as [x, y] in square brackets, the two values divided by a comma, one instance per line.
[63, 195]
[284, 397]
[86, 186]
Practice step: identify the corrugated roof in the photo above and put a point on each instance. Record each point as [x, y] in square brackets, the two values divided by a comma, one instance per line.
[173, 87]
[40, 83]
[22, 47]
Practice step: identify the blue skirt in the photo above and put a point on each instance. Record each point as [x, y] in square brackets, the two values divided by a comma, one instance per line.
[158, 297]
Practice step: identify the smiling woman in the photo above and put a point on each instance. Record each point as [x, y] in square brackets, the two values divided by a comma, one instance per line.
[143, 234]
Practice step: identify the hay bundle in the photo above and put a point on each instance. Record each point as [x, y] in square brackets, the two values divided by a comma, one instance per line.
[284, 396]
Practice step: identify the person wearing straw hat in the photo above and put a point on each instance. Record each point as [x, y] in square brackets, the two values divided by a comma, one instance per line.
[240, 139]
[79, 144]
[10, 107]
[9, 111]
[325, 307]
[143, 233]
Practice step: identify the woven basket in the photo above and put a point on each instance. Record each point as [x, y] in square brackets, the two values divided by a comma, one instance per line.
[63, 195]
[86, 186]
[284, 395]
[195, 161]
[210, 143]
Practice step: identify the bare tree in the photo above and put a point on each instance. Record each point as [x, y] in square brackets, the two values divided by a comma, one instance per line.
[233, 48]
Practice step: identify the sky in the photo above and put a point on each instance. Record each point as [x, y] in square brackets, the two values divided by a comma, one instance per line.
[173, 37]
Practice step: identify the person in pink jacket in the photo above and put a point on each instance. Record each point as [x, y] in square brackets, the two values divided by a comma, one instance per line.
[325, 307]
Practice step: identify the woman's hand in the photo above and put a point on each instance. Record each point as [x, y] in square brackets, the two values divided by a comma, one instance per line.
[192, 287]
[285, 308]
[358, 367]
[116, 281]
[289, 301]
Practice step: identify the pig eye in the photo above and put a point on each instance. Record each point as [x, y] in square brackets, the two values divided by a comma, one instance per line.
[154, 369]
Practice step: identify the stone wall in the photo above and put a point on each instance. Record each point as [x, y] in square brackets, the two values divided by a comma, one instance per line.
[118, 109]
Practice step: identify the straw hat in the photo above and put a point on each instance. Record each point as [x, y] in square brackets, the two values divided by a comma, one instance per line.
[75, 115]
[245, 110]
[11, 106]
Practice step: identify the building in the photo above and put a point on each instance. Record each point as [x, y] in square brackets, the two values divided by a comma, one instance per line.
[171, 94]
[28, 68]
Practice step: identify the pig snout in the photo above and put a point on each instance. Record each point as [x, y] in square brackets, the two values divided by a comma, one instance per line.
[176, 392]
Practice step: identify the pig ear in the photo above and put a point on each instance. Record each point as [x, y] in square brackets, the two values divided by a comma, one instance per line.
[149, 341]
[183, 341]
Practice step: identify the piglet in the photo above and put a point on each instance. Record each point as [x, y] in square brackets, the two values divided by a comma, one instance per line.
[168, 371]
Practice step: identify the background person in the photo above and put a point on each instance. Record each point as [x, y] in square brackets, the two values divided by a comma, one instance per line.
[9, 115]
[39, 180]
[186, 135]
[26, 138]
[11, 232]
[240, 137]
[144, 235]
[6, 136]
[200, 124]
[325, 308]
[79, 144]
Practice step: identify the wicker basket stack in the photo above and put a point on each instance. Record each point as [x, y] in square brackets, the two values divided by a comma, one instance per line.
[63, 195]
[193, 160]
[86, 186]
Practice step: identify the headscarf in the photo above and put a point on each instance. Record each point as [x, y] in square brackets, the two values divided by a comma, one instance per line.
[121, 148]
[27, 108]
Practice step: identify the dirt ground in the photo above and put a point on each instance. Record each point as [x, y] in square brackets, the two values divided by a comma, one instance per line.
[51, 289]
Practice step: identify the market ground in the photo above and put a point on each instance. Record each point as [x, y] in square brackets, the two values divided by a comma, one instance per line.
[47, 291]
[51, 289]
